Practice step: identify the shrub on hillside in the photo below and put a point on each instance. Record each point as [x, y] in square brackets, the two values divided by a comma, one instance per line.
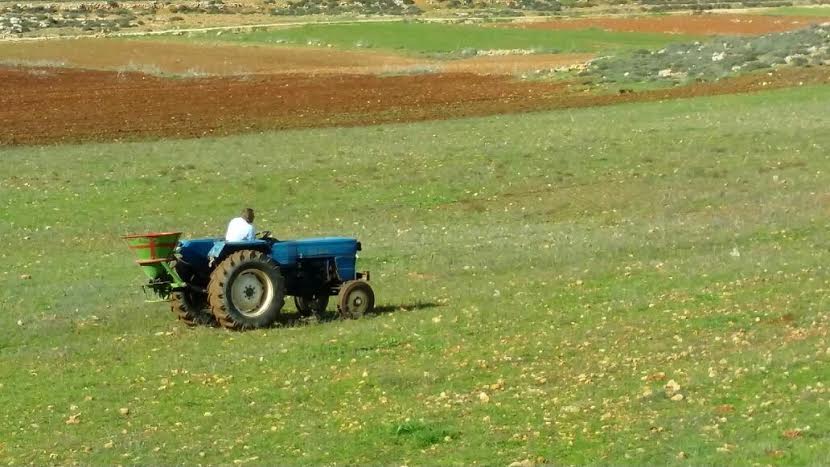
[717, 58]
[332, 7]
[510, 7]
[19, 19]
[535, 5]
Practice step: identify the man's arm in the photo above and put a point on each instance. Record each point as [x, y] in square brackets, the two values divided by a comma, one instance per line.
[251, 233]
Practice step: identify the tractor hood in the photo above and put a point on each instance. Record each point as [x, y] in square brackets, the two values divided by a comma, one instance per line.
[201, 252]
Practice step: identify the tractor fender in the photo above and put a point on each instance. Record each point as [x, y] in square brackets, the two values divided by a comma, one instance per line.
[222, 249]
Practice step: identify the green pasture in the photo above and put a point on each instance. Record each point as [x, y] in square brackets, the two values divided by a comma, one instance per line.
[446, 39]
[640, 284]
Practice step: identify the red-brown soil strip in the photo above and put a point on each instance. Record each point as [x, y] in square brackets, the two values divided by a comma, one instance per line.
[46, 106]
[720, 24]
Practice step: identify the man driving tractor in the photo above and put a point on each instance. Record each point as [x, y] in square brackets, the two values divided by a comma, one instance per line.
[241, 229]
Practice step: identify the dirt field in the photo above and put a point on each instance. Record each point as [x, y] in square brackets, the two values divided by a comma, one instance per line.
[181, 57]
[231, 59]
[43, 106]
[720, 24]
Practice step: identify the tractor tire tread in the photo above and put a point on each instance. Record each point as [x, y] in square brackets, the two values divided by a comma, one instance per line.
[190, 314]
[218, 279]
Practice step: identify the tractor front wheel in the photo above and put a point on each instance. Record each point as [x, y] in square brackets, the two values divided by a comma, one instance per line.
[355, 299]
[247, 291]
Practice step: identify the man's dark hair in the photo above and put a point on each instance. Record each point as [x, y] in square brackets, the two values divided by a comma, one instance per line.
[248, 214]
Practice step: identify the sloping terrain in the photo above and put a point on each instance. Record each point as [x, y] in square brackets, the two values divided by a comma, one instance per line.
[176, 57]
[40, 106]
[639, 284]
[808, 47]
[161, 57]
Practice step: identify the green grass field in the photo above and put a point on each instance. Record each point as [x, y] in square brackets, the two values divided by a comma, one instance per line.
[542, 279]
[441, 39]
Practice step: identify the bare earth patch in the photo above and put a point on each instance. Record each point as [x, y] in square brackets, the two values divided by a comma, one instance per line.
[43, 106]
[181, 58]
[720, 24]
[214, 59]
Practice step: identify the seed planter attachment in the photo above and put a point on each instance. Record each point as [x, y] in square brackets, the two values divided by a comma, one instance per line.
[155, 254]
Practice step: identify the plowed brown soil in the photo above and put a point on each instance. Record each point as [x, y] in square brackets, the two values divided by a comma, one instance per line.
[683, 24]
[41, 106]
[181, 58]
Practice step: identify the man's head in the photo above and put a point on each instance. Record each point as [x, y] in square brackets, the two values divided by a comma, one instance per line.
[248, 215]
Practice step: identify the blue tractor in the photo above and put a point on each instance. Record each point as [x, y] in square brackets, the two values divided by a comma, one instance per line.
[243, 285]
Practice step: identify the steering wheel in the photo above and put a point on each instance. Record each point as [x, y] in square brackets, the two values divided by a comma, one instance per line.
[265, 234]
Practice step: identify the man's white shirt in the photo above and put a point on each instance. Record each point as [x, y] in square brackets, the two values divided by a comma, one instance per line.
[239, 230]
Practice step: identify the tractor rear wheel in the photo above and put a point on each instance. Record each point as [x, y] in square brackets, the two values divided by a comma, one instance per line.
[355, 299]
[191, 307]
[247, 291]
[312, 305]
